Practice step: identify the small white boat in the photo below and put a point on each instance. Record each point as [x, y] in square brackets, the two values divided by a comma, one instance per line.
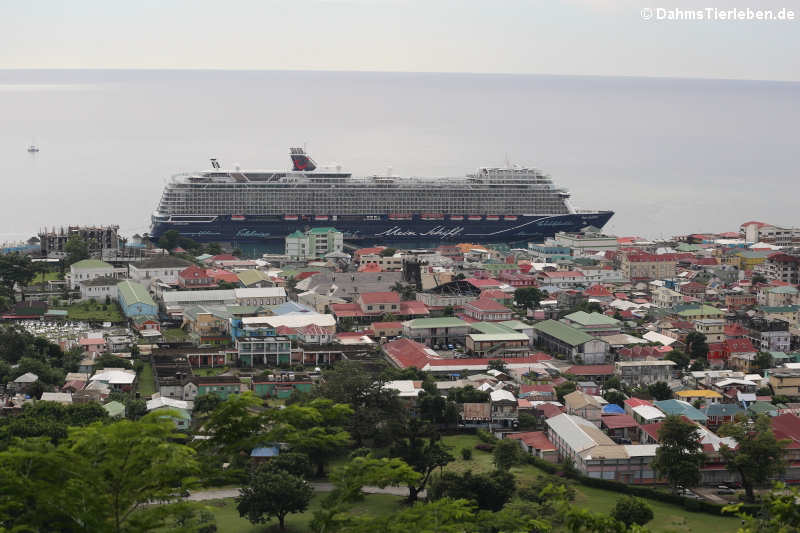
[32, 149]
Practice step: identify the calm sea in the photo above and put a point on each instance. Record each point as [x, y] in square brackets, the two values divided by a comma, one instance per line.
[669, 156]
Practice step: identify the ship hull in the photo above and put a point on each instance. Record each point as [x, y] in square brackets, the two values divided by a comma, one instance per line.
[381, 228]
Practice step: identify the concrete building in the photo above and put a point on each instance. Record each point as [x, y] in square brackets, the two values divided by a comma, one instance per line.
[436, 331]
[785, 382]
[492, 345]
[487, 310]
[666, 298]
[260, 296]
[164, 268]
[641, 266]
[586, 243]
[315, 243]
[595, 324]
[263, 351]
[579, 347]
[99, 289]
[585, 406]
[53, 242]
[712, 328]
[636, 373]
[89, 269]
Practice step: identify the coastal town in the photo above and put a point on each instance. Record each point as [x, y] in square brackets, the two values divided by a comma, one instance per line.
[587, 352]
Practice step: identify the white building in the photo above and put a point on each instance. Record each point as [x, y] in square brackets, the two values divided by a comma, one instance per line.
[99, 288]
[666, 298]
[165, 268]
[87, 270]
[316, 243]
[260, 296]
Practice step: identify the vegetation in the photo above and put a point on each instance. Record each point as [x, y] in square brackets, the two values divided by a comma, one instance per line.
[630, 510]
[758, 456]
[77, 249]
[529, 298]
[92, 311]
[506, 454]
[273, 493]
[696, 345]
[489, 491]
[659, 391]
[680, 455]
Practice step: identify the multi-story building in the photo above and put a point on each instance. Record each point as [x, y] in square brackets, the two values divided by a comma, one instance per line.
[98, 238]
[585, 406]
[586, 243]
[509, 344]
[487, 310]
[781, 267]
[164, 268]
[762, 232]
[194, 277]
[315, 243]
[712, 328]
[769, 335]
[595, 324]
[578, 346]
[635, 373]
[89, 269]
[640, 266]
[665, 298]
[263, 351]
[436, 331]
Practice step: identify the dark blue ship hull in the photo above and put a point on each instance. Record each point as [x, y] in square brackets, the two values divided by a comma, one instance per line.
[382, 228]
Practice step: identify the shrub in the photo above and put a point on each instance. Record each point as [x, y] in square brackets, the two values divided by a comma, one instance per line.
[486, 437]
[630, 510]
[466, 454]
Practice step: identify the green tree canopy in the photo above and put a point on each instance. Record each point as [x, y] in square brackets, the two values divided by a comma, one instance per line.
[529, 297]
[419, 446]
[489, 491]
[506, 454]
[680, 454]
[77, 249]
[630, 511]
[758, 456]
[659, 391]
[273, 494]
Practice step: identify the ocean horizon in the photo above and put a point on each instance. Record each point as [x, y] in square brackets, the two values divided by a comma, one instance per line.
[668, 155]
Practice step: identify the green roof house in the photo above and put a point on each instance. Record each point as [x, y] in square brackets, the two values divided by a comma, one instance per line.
[575, 344]
[87, 270]
[135, 300]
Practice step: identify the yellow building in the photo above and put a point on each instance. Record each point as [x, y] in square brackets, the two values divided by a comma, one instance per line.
[785, 382]
[704, 395]
[748, 259]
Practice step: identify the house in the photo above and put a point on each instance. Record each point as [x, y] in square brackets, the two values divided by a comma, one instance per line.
[135, 300]
[620, 427]
[386, 329]
[538, 392]
[87, 270]
[681, 408]
[273, 387]
[222, 386]
[99, 288]
[486, 310]
[115, 409]
[165, 268]
[641, 266]
[635, 373]
[504, 409]
[64, 398]
[535, 443]
[666, 298]
[180, 410]
[597, 373]
[721, 413]
[785, 382]
[588, 387]
[575, 344]
[647, 414]
[630, 403]
[701, 395]
[117, 379]
[93, 345]
[584, 405]
[194, 277]
[254, 278]
[314, 334]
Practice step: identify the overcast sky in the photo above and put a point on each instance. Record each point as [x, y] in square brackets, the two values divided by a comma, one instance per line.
[573, 37]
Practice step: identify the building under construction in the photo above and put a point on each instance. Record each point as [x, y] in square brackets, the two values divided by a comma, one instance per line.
[53, 242]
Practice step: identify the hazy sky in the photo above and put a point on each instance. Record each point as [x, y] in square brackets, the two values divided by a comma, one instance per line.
[594, 37]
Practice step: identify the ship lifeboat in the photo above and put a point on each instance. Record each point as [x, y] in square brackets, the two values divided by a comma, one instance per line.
[474, 217]
[237, 217]
[399, 216]
[492, 217]
[510, 217]
[432, 216]
[290, 217]
[456, 217]
[321, 217]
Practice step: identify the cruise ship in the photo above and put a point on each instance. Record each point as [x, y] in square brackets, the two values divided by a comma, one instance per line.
[511, 204]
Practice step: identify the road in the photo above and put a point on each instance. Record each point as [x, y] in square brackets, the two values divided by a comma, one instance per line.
[218, 494]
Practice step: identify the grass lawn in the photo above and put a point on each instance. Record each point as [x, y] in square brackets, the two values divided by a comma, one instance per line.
[216, 371]
[667, 517]
[94, 311]
[146, 385]
[174, 334]
[43, 277]
[229, 521]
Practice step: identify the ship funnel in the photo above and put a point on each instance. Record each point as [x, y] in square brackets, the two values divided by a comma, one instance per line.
[214, 163]
[300, 160]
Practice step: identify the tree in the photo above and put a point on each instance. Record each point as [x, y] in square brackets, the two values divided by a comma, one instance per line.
[213, 248]
[420, 448]
[680, 359]
[660, 391]
[506, 454]
[612, 383]
[696, 345]
[758, 455]
[529, 297]
[405, 291]
[564, 389]
[779, 512]
[758, 278]
[77, 249]
[373, 405]
[237, 252]
[388, 252]
[205, 403]
[125, 466]
[273, 493]
[468, 394]
[614, 396]
[490, 491]
[680, 454]
[350, 478]
[630, 510]
[234, 425]
[448, 311]
[15, 269]
[763, 360]
[297, 464]
[314, 428]
[169, 239]
[135, 409]
[498, 364]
